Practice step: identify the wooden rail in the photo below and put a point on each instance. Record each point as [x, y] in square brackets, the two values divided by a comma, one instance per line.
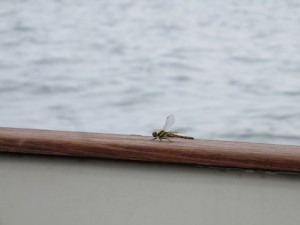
[134, 147]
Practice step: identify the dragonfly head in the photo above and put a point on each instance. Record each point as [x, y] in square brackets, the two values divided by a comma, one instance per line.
[154, 134]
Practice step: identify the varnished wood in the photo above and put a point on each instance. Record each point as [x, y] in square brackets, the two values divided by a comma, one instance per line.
[134, 147]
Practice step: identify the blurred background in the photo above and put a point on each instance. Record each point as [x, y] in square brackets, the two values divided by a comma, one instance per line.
[226, 69]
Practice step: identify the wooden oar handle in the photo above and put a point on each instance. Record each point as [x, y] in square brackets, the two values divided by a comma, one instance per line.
[134, 147]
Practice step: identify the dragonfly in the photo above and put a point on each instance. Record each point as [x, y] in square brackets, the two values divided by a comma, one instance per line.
[165, 134]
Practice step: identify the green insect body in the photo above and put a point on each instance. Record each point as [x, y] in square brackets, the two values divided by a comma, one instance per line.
[163, 134]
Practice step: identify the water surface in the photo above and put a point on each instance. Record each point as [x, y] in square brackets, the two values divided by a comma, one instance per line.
[226, 69]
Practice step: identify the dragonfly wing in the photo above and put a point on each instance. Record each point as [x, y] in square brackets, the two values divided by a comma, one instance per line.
[169, 121]
[178, 130]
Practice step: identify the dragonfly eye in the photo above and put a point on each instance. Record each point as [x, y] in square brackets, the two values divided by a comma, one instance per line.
[154, 134]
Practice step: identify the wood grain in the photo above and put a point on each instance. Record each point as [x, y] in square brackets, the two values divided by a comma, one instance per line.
[134, 147]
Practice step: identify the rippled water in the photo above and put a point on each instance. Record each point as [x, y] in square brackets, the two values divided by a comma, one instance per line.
[227, 69]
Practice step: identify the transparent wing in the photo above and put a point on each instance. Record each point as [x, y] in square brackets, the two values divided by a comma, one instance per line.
[178, 130]
[169, 121]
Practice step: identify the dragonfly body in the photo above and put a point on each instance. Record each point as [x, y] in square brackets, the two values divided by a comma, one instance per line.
[163, 134]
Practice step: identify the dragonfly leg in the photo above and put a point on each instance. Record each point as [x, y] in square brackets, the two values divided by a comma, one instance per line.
[168, 139]
[162, 138]
[154, 139]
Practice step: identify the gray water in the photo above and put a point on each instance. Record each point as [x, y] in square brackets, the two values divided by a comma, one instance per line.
[226, 69]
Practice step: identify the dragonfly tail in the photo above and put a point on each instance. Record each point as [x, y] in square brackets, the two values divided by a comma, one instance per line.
[184, 137]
